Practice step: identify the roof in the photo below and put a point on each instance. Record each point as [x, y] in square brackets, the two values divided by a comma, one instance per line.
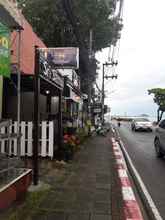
[9, 14]
[28, 41]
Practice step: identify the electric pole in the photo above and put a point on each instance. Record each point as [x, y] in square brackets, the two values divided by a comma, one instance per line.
[89, 85]
[103, 93]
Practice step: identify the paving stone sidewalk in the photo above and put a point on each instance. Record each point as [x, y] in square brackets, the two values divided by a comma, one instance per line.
[85, 189]
[89, 187]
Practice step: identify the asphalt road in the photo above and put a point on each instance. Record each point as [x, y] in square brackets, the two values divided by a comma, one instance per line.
[140, 148]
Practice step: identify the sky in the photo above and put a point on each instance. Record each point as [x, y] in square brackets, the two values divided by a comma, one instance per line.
[141, 59]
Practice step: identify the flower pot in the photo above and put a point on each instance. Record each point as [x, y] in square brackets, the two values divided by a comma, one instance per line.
[69, 155]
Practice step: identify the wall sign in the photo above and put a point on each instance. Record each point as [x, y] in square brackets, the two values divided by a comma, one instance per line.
[4, 51]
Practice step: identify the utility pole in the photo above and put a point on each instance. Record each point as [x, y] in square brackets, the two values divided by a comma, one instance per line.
[103, 96]
[89, 85]
[103, 77]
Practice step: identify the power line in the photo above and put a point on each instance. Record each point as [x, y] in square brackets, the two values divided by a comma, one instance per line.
[112, 48]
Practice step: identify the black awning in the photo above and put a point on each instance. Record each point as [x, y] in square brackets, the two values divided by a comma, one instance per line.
[27, 85]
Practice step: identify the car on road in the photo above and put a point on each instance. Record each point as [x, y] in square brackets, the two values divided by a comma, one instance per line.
[159, 140]
[143, 124]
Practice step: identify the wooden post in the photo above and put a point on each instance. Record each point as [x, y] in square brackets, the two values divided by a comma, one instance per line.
[18, 91]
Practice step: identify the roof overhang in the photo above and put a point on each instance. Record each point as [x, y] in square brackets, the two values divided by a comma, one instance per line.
[9, 15]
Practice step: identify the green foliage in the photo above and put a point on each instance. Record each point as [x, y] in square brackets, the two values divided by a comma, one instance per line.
[159, 97]
[95, 15]
[51, 24]
[50, 21]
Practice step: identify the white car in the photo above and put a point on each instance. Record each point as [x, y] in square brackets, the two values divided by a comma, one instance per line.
[141, 124]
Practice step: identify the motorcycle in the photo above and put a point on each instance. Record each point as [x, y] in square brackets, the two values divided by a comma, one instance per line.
[102, 130]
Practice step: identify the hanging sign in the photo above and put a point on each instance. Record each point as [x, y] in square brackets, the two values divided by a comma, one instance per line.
[97, 108]
[65, 57]
[48, 72]
[4, 51]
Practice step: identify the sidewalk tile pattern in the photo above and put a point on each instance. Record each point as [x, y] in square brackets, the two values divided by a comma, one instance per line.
[88, 188]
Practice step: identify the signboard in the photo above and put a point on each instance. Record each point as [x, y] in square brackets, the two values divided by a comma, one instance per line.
[4, 51]
[106, 109]
[74, 96]
[75, 79]
[84, 96]
[50, 73]
[65, 57]
[97, 108]
[71, 74]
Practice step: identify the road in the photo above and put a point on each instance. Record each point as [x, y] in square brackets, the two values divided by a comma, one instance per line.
[140, 148]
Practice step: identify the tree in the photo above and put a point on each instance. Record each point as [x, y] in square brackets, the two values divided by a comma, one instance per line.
[159, 99]
[50, 21]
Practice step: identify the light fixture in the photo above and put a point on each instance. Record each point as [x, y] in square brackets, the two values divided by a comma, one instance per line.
[47, 92]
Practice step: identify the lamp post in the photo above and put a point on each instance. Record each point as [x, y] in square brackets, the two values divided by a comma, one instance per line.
[103, 95]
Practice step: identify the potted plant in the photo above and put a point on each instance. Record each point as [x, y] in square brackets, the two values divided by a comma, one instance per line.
[70, 146]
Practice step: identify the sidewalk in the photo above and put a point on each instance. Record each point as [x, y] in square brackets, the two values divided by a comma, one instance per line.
[85, 189]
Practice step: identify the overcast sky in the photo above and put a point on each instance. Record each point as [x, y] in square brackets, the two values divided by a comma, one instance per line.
[141, 58]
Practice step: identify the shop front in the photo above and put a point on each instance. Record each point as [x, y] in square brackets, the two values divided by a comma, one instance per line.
[73, 103]
[51, 86]
[14, 180]
[9, 20]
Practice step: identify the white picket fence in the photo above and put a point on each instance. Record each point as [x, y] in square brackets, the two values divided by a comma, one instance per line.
[46, 141]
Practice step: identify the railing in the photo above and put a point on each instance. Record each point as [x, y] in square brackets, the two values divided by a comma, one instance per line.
[46, 141]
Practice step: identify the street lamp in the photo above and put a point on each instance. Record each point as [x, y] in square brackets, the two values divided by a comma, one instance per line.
[112, 76]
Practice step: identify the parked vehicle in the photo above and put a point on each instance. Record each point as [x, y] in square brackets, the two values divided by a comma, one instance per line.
[103, 130]
[159, 140]
[141, 124]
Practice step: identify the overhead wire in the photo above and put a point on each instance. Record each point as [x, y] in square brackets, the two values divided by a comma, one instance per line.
[113, 53]
[112, 49]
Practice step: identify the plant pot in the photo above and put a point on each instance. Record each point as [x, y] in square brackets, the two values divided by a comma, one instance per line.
[69, 155]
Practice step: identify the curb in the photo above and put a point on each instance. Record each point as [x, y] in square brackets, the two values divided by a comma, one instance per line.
[147, 201]
[130, 205]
